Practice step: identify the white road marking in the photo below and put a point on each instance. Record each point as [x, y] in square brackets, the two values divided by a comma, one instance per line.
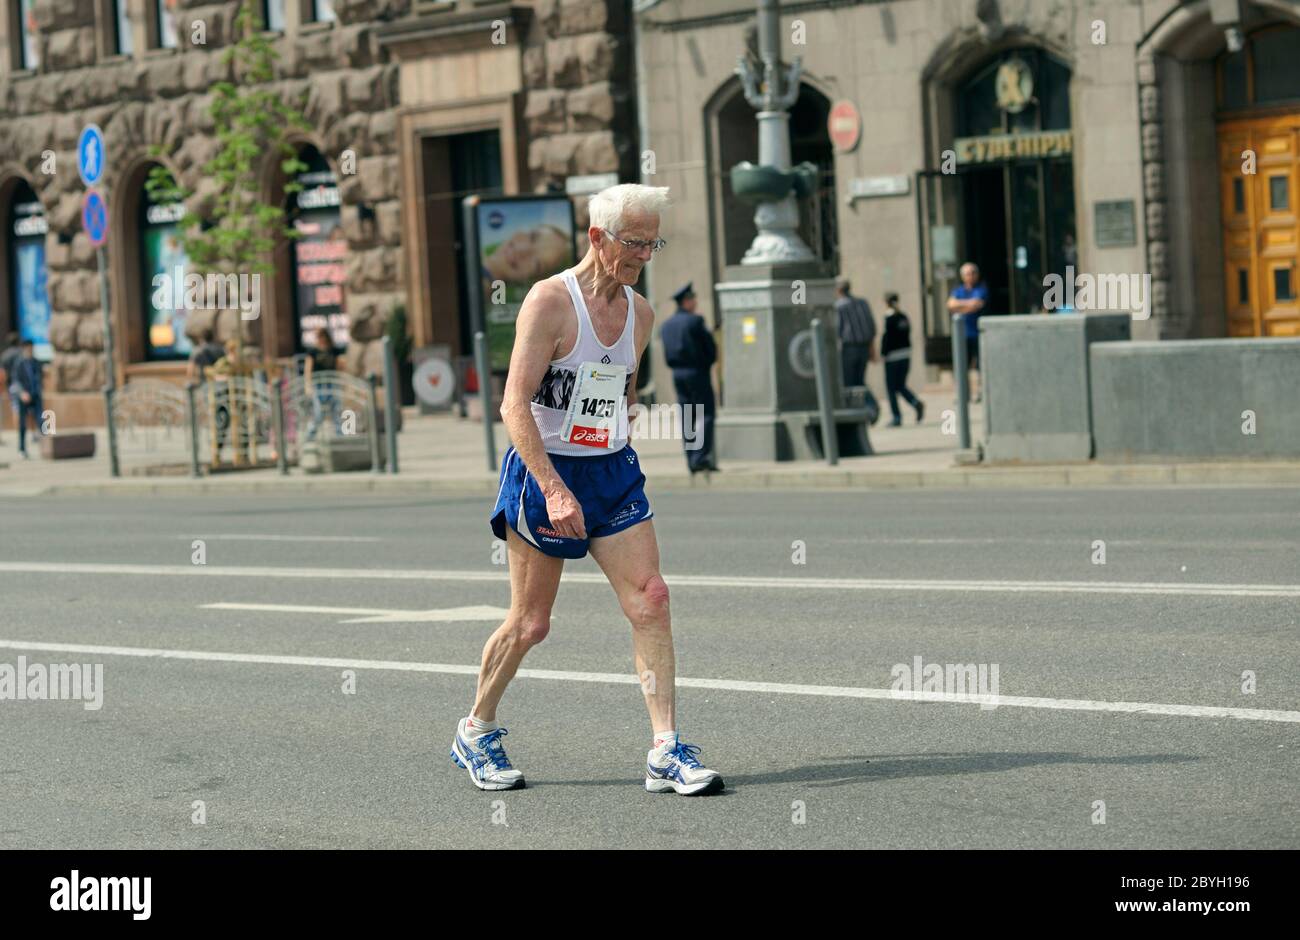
[791, 583]
[285, 538]
[767, 688]
[378, 615]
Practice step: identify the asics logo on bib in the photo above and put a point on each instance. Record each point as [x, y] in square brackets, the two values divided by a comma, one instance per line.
[591, 436]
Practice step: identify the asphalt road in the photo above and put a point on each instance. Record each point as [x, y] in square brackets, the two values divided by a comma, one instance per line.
[245, 711]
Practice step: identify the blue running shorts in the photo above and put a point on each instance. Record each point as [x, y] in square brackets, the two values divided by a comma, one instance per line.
[609, 487]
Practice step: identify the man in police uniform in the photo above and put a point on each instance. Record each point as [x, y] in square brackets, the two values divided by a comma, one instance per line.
[691, 352]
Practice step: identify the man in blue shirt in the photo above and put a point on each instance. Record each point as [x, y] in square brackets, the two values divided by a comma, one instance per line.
[25, 388]
[970, 297]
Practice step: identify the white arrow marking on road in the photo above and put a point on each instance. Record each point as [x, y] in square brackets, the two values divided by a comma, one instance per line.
[614, 678]
[378, 615]
[792, 583]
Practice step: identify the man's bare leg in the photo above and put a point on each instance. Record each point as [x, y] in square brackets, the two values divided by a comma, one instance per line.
[534, 582]
[630, 559]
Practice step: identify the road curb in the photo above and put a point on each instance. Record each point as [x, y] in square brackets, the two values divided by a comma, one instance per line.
[957, 477]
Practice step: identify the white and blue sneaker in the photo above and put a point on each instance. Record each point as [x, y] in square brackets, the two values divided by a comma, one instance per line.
[485, 759]
[676, 767]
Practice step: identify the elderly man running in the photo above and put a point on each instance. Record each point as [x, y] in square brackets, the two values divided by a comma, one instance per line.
[571, 483]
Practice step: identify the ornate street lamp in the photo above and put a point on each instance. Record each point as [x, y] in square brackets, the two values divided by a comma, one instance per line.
[772, 183]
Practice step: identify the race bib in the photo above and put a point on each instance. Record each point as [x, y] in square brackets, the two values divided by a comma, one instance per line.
[595, 405]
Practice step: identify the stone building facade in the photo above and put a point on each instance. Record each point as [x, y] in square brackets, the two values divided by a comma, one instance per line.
[1107, 135]
[541, 90]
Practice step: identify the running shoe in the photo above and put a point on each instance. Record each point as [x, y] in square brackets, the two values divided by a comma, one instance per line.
[679, 769]
[485, 759]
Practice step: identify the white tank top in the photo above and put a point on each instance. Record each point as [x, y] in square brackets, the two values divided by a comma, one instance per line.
[551, 400]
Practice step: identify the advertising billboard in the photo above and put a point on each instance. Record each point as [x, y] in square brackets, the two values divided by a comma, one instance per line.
[517, 241]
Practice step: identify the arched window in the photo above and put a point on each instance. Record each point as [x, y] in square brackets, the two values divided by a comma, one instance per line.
[25, 49]
[163, 265]
[734, 137]
[273, 15]
[319, 253]
[165, 27]
[120, 26]
[322, 11]
[1265, 71]
[29, 297]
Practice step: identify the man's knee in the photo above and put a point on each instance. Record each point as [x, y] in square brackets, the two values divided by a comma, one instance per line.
[531, 629]
[650, 604]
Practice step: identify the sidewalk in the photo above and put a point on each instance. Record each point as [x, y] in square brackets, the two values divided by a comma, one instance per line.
[443, 452]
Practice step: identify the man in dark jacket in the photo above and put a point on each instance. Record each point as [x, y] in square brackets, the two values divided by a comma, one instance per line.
[25, 388]
[896, 350]
[690, 352]
[857, 329]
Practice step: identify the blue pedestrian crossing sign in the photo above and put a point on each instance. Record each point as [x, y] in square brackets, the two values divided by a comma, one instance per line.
[90, 154]
[94, 218]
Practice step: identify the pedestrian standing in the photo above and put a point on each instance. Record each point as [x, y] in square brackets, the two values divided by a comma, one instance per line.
[205, 354]
[857, 331]
[9, 356]
[691, 352]
[970, 297]
[25, 388]
[896, 351]
[322, 360]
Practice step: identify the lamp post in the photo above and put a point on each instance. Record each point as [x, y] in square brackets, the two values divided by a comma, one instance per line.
[772, 94]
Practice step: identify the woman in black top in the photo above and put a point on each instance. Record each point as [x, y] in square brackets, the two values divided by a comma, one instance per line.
[896, 351]
[322, 359]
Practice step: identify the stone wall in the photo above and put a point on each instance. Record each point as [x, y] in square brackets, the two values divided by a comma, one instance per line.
[337, 76]
[579, 111]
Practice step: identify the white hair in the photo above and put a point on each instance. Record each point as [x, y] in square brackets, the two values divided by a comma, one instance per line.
[609, 208]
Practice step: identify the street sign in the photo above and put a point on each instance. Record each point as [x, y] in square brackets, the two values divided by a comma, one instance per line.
[90, 154]
[435, 382]
[845, 126]
[94, 218]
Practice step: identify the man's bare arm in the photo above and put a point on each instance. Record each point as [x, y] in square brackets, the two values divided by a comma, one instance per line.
[644, 326]
[537, 333]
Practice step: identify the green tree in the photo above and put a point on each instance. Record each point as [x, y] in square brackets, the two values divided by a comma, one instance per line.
[240, 231]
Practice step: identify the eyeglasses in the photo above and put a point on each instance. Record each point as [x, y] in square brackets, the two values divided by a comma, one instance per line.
[637, 244]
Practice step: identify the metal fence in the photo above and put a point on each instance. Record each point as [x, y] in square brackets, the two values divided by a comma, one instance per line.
[330, 422]
[151, 424]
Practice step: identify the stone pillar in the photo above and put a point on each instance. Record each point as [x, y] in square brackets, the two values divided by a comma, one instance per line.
[768, 365]
[1153, 190]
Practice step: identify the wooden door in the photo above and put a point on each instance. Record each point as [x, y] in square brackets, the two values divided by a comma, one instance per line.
[1261, 225]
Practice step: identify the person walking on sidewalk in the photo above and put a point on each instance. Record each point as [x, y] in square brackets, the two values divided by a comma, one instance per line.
[896, 351]
[25, 388]
[572, 484]
[690, 352]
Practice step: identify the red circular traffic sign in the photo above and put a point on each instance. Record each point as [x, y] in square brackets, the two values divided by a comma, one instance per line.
[845, 126]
